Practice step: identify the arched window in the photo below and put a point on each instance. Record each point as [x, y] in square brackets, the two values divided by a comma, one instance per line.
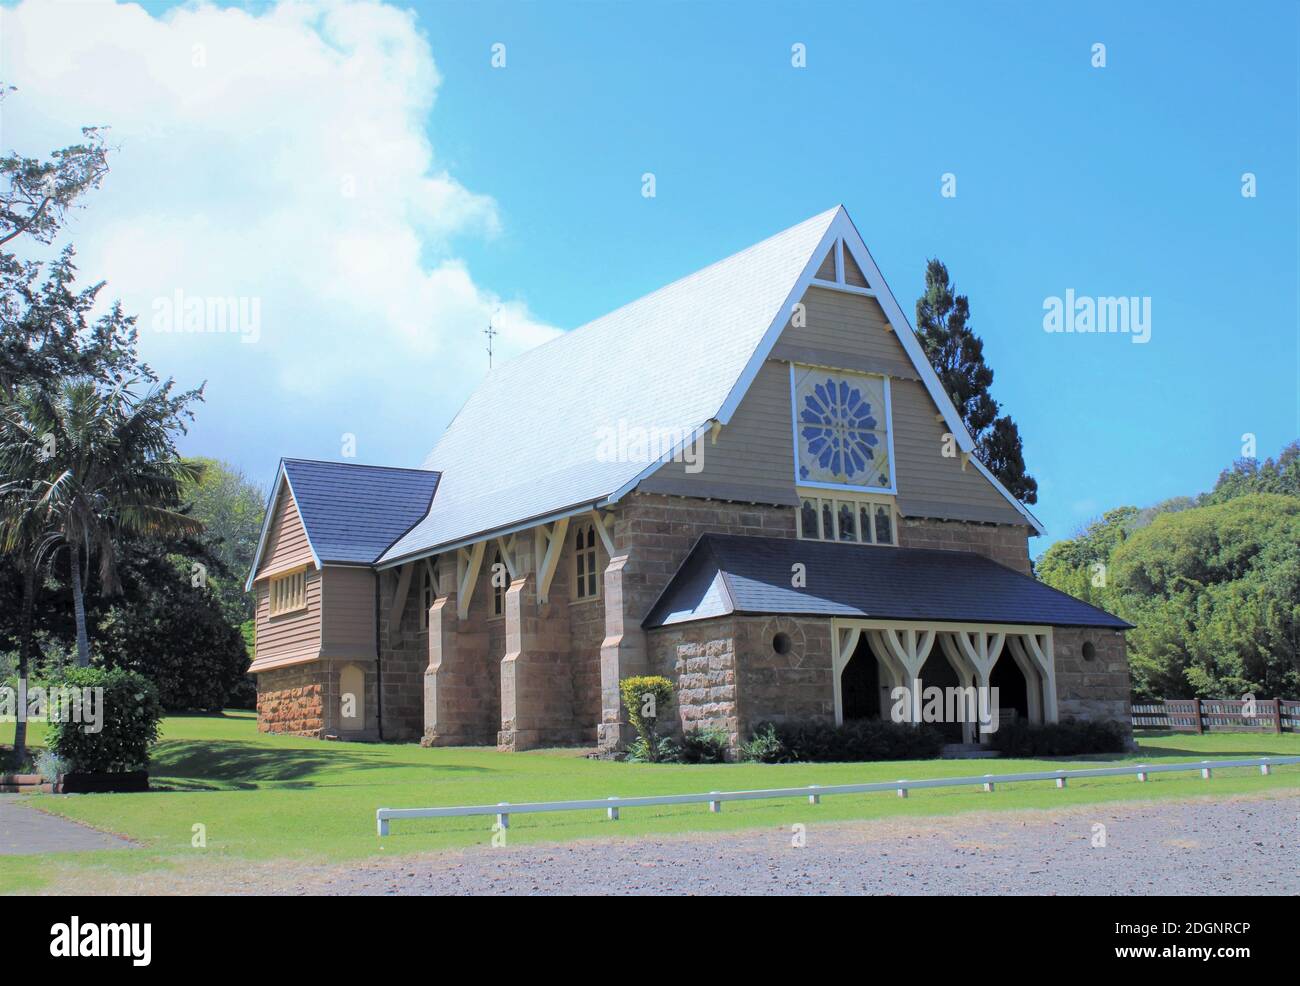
[585, 564]
[428, 589]
[500, 579]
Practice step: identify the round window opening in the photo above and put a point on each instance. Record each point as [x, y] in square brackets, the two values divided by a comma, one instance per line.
[782, 643]
[1089, 651]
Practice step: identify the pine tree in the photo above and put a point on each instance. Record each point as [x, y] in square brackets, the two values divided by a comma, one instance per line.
[957, 355]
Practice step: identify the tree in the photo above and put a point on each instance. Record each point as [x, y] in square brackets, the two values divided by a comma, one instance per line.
[1280, 475]
[101, 462]
[36, 195]
[231, 508]
[957, 355]
[1215, 595]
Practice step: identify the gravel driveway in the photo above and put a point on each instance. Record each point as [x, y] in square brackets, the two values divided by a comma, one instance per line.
[1239, 846]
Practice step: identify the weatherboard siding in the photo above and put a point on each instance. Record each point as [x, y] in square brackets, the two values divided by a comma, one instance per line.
[348, 626]
[753, 458]
[290, 636]
[286, 543]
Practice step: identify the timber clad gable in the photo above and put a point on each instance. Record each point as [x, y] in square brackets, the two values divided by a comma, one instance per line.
[467, 604]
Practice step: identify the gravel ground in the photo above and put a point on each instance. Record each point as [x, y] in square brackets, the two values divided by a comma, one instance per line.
[1245, 845]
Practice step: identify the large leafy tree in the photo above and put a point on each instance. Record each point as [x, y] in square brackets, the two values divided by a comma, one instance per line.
[957, 355]
[44, 331]
[94, 462]
[231, 508]
[1212, 583]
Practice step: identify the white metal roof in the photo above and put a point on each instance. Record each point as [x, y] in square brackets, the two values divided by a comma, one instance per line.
[526, 445]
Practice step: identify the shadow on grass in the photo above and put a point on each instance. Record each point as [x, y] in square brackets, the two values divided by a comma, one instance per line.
[186, 765]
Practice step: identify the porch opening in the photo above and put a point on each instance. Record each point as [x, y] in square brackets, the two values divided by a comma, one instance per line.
[860, 684]
[1013, 689]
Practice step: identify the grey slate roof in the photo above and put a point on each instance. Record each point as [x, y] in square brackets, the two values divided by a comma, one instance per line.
[734, 573]
[353, 512]
[525, 445]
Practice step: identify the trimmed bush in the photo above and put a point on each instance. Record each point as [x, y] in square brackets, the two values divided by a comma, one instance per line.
[1067, 738]
[646, 698]
[705, 744]
[131, 712]
[814, 741]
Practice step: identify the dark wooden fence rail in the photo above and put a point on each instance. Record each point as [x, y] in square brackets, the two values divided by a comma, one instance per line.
[1205, 715]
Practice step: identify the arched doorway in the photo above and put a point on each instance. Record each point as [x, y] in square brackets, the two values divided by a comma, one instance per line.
[860, 683]
[1012, 688]
[352, 698]
[938, 673]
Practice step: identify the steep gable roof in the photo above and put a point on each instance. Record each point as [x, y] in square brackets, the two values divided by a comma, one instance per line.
[526, 447]
[351, 513]
[742, 574]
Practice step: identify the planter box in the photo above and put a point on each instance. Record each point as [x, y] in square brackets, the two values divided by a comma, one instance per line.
[126, 781]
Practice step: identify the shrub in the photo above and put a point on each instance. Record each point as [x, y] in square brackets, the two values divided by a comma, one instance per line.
[815, 741]
[131, 711]
[50, 765]
[705, 744]
[663, 750]
[1067, 738]
[764, 746]
[646, 697]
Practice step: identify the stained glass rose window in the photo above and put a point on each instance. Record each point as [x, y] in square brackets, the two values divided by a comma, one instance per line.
[841, 428]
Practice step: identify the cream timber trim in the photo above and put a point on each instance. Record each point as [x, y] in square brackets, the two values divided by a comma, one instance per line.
[602, 520]
[399, 597]
[507, 548]
[787, 353]
[281, 477]
[548, 545]
[468, 562]
[272, 663]
[972, 649]
[584, 506]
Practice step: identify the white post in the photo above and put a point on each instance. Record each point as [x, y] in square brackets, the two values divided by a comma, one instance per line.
[612, 811]
[988, 784]
[503, 817]
[383, 823]
[813, 798]
[1060, 782]
[1264, 769]
[902, 791]
[715, 806]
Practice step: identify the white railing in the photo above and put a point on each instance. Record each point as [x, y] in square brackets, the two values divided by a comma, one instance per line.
[815, 792]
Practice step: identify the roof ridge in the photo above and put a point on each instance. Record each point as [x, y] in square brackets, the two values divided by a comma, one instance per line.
[359, 465]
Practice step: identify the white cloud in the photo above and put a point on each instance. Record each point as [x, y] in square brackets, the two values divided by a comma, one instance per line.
[283, 156]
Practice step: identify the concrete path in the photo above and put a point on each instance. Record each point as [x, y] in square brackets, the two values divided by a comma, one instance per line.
[25, 831]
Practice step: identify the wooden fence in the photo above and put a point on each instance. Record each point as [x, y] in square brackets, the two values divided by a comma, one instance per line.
[1205, 715]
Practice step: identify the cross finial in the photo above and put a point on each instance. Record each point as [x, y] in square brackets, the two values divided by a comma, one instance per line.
[491, 333]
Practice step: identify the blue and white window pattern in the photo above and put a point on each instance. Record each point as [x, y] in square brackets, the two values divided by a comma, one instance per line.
[841, 429]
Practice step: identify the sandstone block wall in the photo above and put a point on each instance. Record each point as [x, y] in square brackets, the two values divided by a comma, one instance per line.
[1006, 544]
[291, 700]
[1096, 688]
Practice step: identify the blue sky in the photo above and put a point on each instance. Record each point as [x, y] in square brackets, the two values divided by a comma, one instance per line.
[519, 189]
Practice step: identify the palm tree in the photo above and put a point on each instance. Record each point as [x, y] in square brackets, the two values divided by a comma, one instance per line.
[93, 462]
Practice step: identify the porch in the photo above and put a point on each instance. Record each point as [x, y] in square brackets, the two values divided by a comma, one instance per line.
[956, 664]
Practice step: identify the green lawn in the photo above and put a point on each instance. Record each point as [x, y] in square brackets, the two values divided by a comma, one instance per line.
[269, 797]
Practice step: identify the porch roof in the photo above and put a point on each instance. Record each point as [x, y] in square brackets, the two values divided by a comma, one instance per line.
[726, 574]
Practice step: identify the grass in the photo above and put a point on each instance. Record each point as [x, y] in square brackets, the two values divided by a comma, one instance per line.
[263, 797]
